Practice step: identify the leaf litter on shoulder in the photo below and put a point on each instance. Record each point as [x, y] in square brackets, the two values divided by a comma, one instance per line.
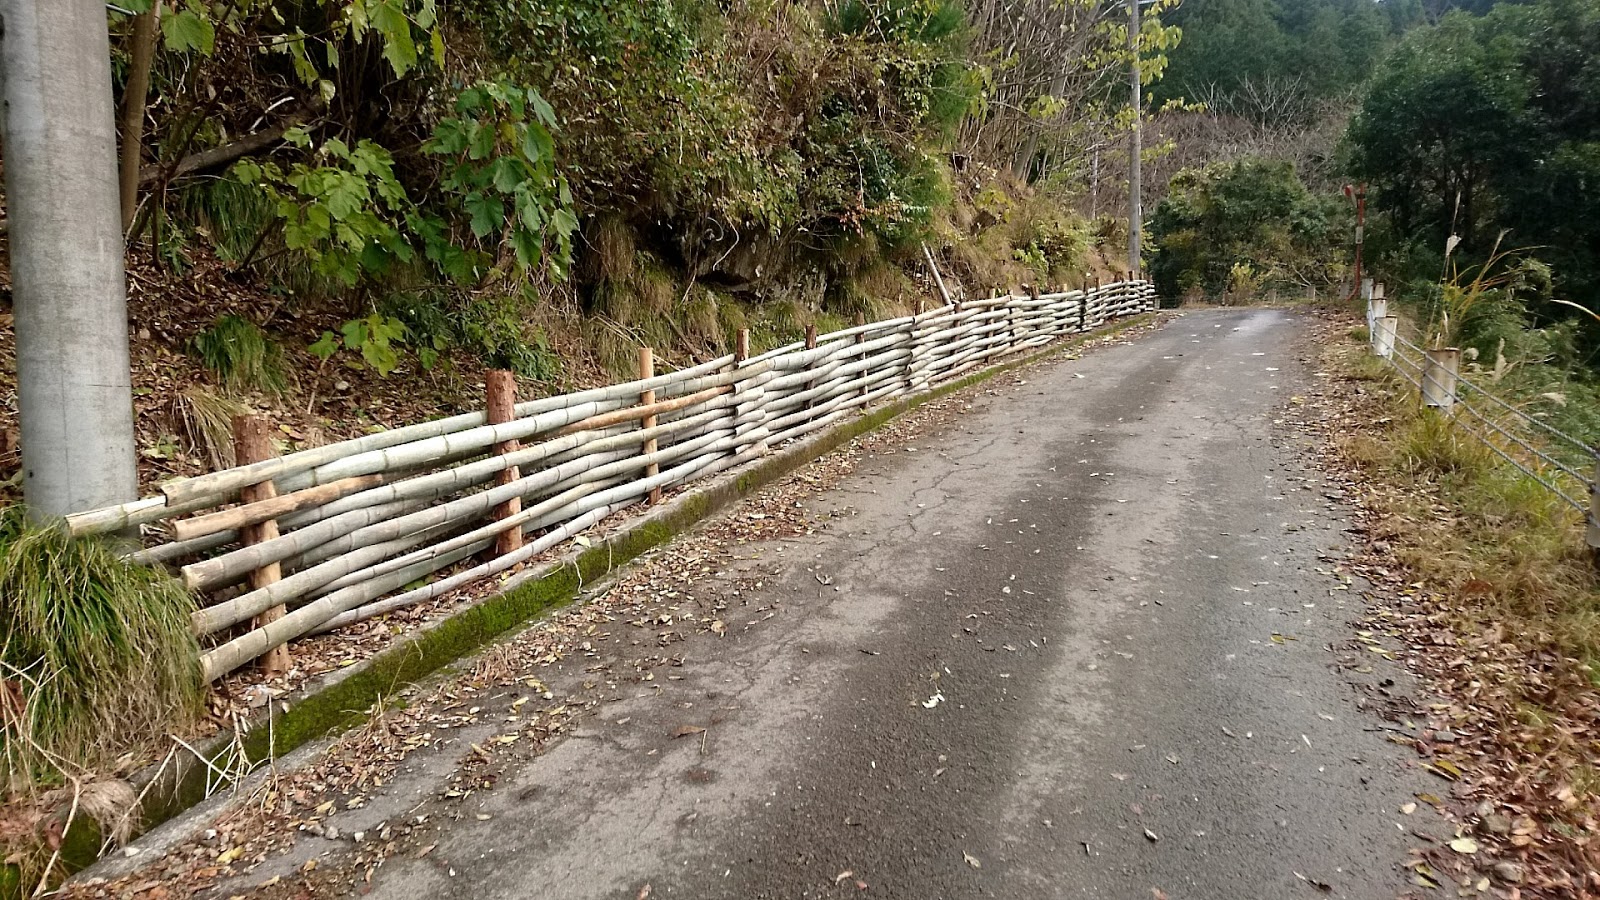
[1480, 607]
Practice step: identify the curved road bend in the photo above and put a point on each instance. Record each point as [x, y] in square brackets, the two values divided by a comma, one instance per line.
[1043, 665]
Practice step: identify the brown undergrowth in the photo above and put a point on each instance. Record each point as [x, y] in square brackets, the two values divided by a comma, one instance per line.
[1484, 573]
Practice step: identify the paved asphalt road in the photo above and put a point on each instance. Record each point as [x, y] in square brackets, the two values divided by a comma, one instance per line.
[1043, 666]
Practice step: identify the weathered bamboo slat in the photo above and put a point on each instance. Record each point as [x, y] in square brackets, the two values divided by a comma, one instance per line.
[130, 515]
[224, 569]
[221, 485]
[281, 505]
[375, 542]
[230, 655]
[555, 507]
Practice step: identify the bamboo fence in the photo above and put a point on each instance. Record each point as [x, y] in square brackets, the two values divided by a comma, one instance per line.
[289, 546]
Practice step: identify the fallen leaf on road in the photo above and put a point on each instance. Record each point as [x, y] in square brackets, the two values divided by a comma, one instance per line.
[1446, 769]
[1464, 845]
[644, 893]
[1322, 886]
[686, 730]
[1407, 809]
[971, 860]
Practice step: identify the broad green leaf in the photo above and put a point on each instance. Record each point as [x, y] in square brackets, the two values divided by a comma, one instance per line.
[488, 214]
[537, 144]
[183, 30]
[389, 20]
[564, 222]
[506, 175]
[355, 332]
[541, 108]
[436, 41]
[527, 246]
[482, 141]
[325, 346]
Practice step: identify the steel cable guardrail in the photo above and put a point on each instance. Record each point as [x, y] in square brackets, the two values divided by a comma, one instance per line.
[1567, 439]
[1492, 420]
[1546, 458]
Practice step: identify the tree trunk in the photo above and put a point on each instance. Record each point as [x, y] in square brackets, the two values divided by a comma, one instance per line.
[134, 97]
[74, 392]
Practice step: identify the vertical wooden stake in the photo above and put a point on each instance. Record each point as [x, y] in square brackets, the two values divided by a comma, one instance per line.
[1033, 294]
[252, 442]
[811, 344]
[741, 352]
[861, 338]
[647, 369]
[501, 403]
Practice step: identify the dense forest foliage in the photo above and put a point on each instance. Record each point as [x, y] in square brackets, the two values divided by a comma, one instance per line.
[1475, 126]
[1465, 119]
[1488, 129]
[663, 170]
[382, 186]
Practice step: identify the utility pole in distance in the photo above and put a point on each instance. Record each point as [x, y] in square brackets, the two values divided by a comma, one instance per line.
[1135, 145]
[70, 296]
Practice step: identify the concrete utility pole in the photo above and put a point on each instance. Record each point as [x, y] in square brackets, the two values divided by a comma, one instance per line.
[70, 296]
[1135, 145]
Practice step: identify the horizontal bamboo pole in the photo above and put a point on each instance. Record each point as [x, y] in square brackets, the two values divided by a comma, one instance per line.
[129, 515]
[523, 518]
[221, 485]
[634, 413]
[224, 569]
[555, 507]
[229, 656]
[283, 504]
[374, 542]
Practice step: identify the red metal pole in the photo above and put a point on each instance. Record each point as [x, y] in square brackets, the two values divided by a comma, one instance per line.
[1361, 233]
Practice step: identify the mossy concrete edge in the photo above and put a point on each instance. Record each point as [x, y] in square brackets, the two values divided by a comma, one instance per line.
[347, 698]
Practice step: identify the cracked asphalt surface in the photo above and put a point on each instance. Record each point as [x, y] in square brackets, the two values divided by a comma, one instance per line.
[1077, 642]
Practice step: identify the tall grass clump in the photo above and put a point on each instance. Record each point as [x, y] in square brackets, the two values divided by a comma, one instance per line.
[241, 356]
[1432, 447]
[96, 655]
